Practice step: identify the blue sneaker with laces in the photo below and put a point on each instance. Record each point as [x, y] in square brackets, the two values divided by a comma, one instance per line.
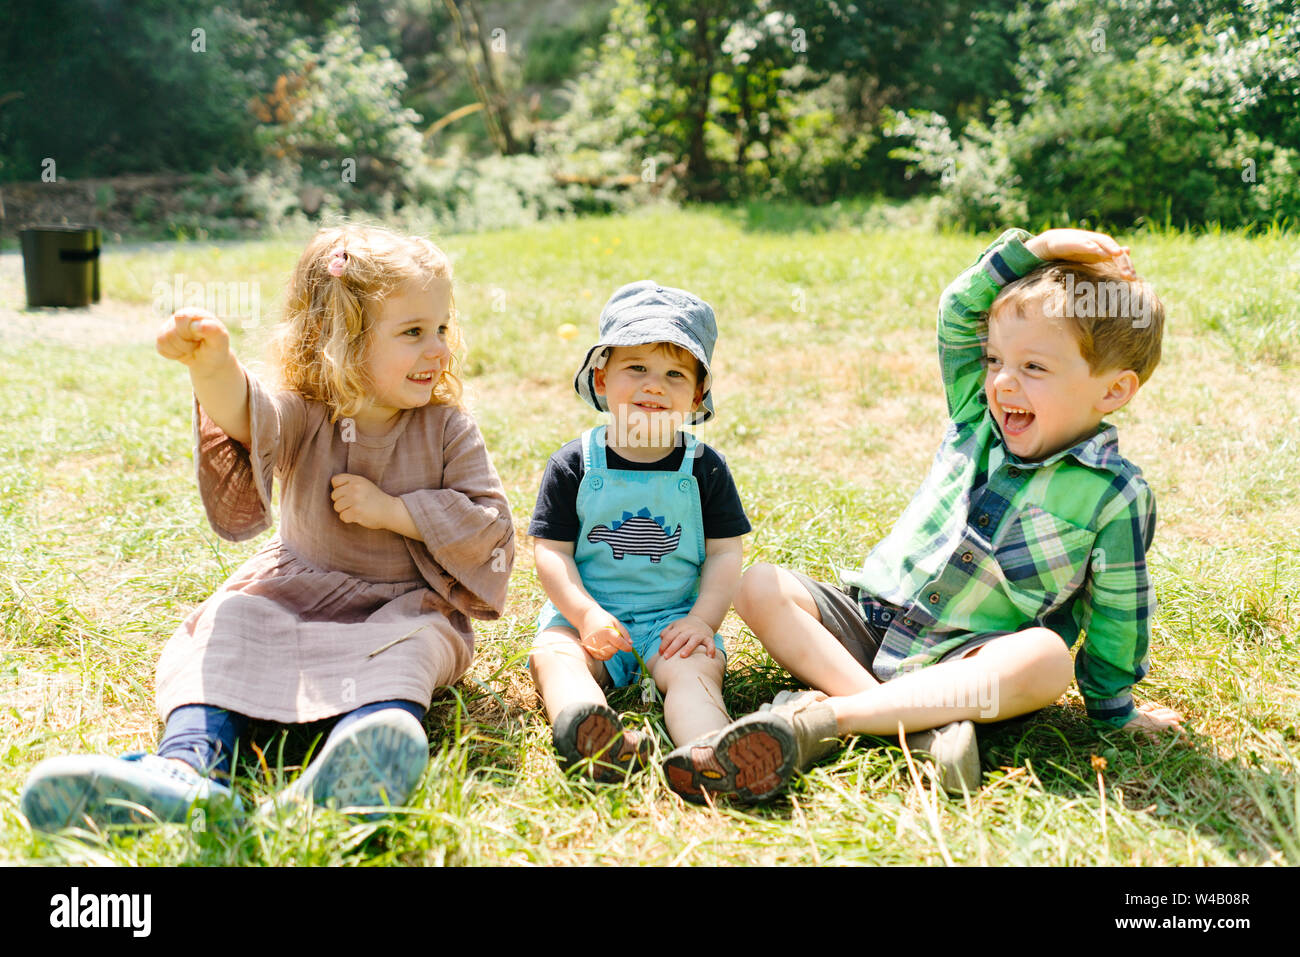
[133, 789]
[375, 762]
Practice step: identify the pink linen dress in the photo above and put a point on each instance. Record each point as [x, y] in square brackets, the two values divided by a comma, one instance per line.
[329, 616]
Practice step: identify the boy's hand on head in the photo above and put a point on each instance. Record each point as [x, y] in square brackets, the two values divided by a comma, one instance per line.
[195, 338]
[359, 501]
[603, 636]
[1153, 719]
[1080, 245]
[685, 635]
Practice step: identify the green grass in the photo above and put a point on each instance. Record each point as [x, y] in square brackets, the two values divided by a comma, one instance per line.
[829, 413]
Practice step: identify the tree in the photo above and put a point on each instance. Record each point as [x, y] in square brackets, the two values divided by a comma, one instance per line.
[492, 95]
[713, 83]
[106, 89]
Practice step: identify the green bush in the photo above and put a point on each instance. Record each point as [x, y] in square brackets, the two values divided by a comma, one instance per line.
[502, 192]
[821, 155]
[337, 116]
[1126, 142]
[553, 55]
[979, 185]
[1137, 128]
[1122, 144]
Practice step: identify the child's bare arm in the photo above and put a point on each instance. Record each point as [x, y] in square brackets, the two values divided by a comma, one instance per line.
[719, 579]
[198, 340]
[1151, 719]
[600, 633]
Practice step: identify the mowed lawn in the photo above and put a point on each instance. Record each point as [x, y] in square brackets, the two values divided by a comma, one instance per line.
[829, 412]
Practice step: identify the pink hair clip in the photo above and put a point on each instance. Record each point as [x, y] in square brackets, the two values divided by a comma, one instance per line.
[339, 261]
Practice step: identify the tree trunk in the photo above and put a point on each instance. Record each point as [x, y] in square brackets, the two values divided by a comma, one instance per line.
[490, 118]
[745, 126]
[701, 183]
[501, 103]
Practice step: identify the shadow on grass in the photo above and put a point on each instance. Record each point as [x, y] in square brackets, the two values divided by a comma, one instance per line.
[1249, 810]
[1247, 807]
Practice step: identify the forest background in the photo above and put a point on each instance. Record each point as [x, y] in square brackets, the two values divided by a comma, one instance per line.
[456, 115]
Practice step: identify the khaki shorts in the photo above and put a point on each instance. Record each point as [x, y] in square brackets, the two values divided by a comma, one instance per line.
[843, 617]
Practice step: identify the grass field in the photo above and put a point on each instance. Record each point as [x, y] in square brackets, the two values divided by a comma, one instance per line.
[829, 411]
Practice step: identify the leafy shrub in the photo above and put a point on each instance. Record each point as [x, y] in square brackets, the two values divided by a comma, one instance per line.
[337, 113]
[979, 186]
[1177, 132]
[552, 55]
[500, 192]
[821, 155]
[113, 88]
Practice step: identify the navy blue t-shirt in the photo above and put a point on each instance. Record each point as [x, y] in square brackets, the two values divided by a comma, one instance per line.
[555, 516]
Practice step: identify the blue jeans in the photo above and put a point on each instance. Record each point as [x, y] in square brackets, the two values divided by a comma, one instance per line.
[204, 737]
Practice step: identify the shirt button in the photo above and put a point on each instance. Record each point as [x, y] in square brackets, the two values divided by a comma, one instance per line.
[968, 557]
[886, 616]
[934, 598]
[1013, 472]
[684, 485]
[983, 520]
[597, 482]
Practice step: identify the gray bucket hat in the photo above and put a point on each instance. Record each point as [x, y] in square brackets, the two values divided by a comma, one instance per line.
[643, 312]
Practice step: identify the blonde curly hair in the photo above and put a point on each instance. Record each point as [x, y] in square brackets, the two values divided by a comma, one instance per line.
[321, 346]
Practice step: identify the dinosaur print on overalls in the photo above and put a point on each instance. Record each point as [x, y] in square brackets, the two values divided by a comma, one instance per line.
[639, 534]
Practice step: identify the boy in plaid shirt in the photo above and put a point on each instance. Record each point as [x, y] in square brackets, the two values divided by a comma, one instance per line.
[1029, 530]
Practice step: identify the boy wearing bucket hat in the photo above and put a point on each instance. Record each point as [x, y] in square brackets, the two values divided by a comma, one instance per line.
[638, 544]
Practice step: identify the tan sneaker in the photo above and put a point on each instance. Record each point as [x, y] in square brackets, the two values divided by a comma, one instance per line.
[788, 697]
[813, 722]
[694, 768]
[955, 753]
[753, 758]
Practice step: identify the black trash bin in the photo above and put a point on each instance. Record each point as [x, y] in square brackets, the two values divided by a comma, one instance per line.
[61, 265]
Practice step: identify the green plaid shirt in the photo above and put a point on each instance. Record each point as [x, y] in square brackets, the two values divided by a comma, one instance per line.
[992, 544]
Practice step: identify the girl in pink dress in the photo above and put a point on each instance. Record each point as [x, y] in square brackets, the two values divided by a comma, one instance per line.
[394, 533]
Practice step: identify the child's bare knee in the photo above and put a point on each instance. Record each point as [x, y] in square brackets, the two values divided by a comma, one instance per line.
[555, 645]
[1055, 661]
[700, 666]
[758, 587]
[1050, 669]
[1033, 669]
